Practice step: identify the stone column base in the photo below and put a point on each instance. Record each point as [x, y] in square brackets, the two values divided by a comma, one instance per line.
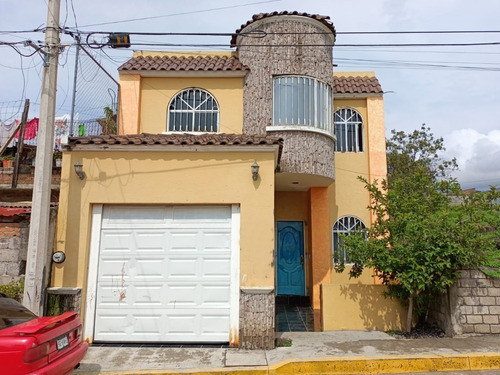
[257, 315]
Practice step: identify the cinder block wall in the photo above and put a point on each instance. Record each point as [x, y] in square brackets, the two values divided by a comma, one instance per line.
[472, 305]
[13, 248]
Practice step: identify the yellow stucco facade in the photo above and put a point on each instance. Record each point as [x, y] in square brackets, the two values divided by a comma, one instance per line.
[220, 175]
[135, 177]
[145, 98]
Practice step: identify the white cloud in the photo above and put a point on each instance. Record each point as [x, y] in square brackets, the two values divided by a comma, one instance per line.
[478, 157]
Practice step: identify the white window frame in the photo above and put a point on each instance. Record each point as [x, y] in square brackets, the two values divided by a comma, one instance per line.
[345, 225]
[351, 136]
[191, 112]
[306, 105]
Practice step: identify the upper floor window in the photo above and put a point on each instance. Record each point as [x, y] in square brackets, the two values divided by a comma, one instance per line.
[193, 110]
[302, 101]
[349, 130]
[343, 227]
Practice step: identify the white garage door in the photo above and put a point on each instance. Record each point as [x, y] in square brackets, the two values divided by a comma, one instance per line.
[164, 274]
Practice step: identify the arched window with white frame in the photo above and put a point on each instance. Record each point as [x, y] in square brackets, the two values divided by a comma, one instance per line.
[344, 227]
[348, 130]
[193, 110]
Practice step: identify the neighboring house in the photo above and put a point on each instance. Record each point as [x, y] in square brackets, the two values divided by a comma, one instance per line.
[172, 233]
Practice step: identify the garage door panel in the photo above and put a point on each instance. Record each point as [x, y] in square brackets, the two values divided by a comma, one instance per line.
[148, 295]
[135, 216]
[213, 325]
[150, 268]
[183, 295]
[164, 276]
[115, 269]
[186, 268]
[201, 214]
[219, 268]
[216, 240]
[182, 240]
[150, 325]
[181, 325]
[149, 241]
[117, 241]
[215, 295]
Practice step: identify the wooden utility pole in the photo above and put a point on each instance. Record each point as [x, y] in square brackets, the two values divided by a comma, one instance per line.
[20, 143]
[38, 244]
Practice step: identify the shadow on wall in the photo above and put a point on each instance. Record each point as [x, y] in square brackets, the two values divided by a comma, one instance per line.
[360, 307]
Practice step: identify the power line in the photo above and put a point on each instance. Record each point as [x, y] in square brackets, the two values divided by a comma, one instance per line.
[309, 45]
[181, 14]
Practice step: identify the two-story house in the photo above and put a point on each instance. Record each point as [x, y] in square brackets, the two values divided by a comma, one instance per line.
[231, 181]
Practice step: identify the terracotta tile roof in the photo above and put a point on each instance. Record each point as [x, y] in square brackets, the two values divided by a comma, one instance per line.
[356, 85]
[17, 208]
[176, 139]
[323, 19]
[183, 63]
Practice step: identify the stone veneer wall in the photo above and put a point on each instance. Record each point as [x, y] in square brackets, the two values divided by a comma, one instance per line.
[306, 152]
[63, 299]
[302, 52]
[257, 319]
[472, 305]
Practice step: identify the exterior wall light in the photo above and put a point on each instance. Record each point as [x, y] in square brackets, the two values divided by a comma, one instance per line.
[79, 170]
[255, 171]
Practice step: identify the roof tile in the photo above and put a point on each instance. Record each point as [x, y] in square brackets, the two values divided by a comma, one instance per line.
[177, 139]
[356, 85]
[183, 63]
[256, 17]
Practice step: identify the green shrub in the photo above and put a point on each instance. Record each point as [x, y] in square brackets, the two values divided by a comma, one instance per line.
[14, 289]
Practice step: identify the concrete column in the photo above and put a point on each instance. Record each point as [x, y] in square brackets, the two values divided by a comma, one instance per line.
[321, 255]
[38, 244]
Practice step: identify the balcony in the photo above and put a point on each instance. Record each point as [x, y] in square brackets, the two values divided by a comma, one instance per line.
[302, 116]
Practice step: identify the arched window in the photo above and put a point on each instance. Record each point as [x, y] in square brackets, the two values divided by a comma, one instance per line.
[193, 110]
[349, 130]
[343, 227]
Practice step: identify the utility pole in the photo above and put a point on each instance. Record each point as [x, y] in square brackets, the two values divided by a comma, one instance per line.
[38, 244]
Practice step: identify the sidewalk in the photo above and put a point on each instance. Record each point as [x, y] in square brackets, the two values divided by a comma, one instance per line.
[340, 352]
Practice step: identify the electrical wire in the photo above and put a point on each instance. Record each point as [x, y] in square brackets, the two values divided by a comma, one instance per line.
[472, 44]
[181, 14]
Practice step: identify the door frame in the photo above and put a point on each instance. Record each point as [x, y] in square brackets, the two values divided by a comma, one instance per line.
[302, 222]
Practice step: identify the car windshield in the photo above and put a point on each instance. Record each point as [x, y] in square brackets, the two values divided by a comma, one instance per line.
[13, 313]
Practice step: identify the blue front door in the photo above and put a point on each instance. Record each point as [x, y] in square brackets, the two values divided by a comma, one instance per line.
[290, 254]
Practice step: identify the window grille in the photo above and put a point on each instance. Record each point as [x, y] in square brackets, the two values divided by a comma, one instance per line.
[302, 101]
[343, 227]
[349, 130]
[193, 110]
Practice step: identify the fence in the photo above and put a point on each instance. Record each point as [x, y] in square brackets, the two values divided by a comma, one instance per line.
[95, 97]
[94, 106]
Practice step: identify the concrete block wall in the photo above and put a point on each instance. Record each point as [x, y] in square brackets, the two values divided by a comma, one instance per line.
[471, 306]
[13, 249]
[6, 175]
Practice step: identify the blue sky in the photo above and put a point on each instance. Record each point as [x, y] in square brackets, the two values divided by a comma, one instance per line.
[453, 90]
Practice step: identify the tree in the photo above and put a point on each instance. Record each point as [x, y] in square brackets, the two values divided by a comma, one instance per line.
[417, 150]
[419, 239]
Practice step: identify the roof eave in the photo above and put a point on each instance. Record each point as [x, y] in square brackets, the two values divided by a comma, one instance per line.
[185, 73]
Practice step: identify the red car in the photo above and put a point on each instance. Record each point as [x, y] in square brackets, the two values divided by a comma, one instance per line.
[38, 345]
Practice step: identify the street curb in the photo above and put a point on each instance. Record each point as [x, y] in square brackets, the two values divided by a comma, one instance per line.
[345, 365]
